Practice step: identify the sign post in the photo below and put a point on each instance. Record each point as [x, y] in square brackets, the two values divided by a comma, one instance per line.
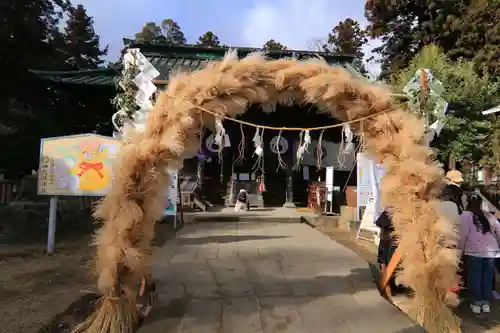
[51, 237]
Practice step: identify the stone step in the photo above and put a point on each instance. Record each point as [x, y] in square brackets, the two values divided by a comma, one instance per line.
[244, 218]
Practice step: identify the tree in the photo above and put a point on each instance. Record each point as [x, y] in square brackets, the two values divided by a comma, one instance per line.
[406, 26]
[81, 42]
[172, 32]
[347, 37]
[273, 45]
[466, 130]
[30, 39]
[150, 33]
[209, 39]
[479, 35]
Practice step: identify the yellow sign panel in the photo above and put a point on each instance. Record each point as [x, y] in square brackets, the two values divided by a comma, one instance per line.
[79, 165]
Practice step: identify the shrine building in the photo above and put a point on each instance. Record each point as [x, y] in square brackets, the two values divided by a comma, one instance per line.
[215, 176]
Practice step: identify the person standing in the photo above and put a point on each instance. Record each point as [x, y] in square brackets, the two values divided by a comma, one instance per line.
[478, 241]
[452, 191]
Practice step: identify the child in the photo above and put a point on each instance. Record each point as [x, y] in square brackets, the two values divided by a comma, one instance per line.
[479, 234]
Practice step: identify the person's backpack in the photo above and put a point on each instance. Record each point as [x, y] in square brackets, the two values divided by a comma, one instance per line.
[242, 196]
[384, 221]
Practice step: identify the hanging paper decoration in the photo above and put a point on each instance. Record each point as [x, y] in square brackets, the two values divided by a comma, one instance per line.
[211, 145]
[279, 145]
[436, 89]
[241, 147]
[220, 131]
[135, 60]
[257, 141]
[305, 141]
[346, 145]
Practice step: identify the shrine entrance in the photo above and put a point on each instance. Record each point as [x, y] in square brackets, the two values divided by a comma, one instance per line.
[274, 179]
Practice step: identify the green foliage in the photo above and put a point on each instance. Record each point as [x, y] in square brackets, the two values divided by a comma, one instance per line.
[150, 33]
[31, 38]
[168, 32]
[273, 45]
[125, 100]
[172, 32]
[466, 130]
[347, 37]
[462, 28]
[209, 39]
[81, 42]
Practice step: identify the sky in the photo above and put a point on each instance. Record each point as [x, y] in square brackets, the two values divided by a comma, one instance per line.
[298, 24]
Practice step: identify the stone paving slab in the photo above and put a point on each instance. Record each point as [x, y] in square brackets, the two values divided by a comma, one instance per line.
[265, 277]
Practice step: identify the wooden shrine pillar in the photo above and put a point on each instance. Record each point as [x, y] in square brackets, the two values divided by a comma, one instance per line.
[289, 159]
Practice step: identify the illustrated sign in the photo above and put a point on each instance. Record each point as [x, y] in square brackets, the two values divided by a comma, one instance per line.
[172, 193]
[76, 165]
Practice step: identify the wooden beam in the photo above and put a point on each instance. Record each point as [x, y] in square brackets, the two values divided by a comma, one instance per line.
[389, 272]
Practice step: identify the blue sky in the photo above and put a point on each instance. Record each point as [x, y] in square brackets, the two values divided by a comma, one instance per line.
[298, 24]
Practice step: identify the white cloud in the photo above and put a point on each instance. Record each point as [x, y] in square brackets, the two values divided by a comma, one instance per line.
[299, 23]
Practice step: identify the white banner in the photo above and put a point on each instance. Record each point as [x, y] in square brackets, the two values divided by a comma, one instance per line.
[369, 175]
[172, 193]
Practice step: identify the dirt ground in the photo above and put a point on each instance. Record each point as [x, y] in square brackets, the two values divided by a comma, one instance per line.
[35, 287]
[484, 323]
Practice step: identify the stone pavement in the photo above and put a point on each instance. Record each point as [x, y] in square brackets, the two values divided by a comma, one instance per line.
[265, 277]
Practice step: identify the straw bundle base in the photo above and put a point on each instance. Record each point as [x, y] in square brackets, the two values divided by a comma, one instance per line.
[112, 316]
[431, 314]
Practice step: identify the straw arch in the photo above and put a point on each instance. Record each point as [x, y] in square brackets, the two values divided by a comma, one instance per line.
[227, 89]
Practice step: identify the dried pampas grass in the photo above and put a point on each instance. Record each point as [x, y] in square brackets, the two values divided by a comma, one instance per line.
[228, 88]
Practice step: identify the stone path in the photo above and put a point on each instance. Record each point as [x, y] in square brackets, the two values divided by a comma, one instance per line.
[267, 277]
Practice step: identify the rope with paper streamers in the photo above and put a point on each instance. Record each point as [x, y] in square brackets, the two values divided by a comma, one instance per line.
[305, 137]
[281, 163]
[241, 147]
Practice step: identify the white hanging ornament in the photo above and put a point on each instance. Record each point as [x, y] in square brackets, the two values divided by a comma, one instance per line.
[348, 137]
[210, 144]
[279, 147]
[220, 133]
[257, 140]
[307, 139]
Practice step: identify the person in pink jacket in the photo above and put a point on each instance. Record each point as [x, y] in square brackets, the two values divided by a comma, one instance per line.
[479, 235]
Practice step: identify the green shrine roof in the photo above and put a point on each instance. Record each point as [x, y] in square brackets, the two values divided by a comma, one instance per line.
[167, 58]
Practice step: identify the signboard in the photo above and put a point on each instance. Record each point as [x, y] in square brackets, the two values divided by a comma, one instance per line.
[329, 183]
[369, 218]
[364, 180]
[172, 194]
[76, 165]
[369, 175]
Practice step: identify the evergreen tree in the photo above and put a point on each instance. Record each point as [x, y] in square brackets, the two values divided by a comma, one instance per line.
[479, 37]
[29, 39]
[347, 37]
[209, 39]
[406, 26]
[172, 32]
[150, 33]
[273, 45]
[81, 42]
